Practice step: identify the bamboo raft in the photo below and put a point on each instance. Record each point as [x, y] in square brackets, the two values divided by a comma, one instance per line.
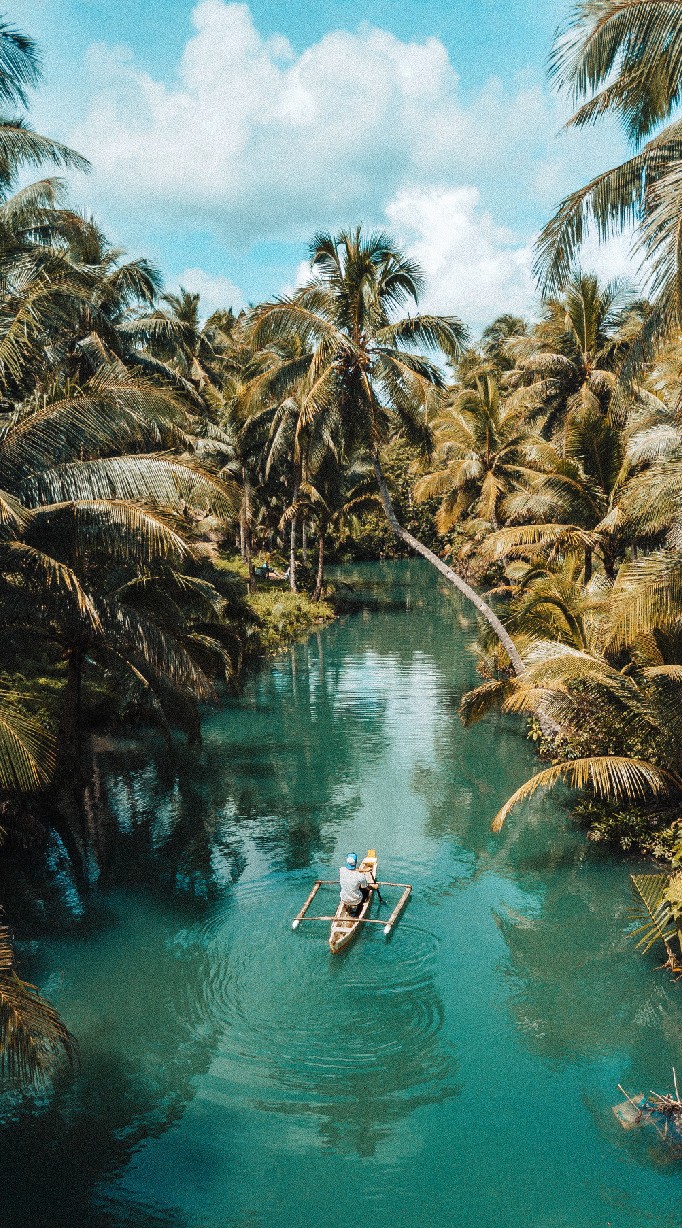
[344, 926]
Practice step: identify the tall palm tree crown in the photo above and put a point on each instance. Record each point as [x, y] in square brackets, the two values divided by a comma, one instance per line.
[485, 448]
[358, 375]
[360, 369]
[624, 57]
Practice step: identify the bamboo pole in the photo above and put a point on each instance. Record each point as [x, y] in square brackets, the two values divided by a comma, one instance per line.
[634, 1103]
[299, 916]
[397, 910]
[345, 920]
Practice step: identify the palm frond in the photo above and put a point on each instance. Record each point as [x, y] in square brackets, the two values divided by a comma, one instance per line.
[653, 912]
[610, 776]
[34, 1041]
[27, 750]
[115, 529]
[156, 478]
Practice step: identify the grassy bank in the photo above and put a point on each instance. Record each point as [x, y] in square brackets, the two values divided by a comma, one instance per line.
[284, 616]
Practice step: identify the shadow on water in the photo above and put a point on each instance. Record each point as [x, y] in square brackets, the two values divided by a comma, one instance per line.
[261, 782]
[134, 998]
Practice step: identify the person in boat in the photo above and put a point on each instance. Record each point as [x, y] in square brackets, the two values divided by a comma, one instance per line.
[355, 885]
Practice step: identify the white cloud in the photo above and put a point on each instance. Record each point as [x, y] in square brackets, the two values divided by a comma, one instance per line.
[252, 141]
[257, 141]
[613, 258]
[216, 291]
[474, 267]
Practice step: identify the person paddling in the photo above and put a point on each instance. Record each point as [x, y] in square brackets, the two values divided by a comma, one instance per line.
[355, 885]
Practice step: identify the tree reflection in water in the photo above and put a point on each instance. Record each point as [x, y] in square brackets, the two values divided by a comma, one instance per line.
[135, 993]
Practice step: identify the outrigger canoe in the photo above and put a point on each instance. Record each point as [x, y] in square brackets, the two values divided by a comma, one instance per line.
[345, 925]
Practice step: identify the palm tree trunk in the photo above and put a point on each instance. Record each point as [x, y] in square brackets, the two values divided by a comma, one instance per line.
[304, 541]
[320, 560]
[71, 777]
[450, 575]
[242, 527]
[71, 722]
[246, 528]
[609, 561]
[588, 564]
[292, 546]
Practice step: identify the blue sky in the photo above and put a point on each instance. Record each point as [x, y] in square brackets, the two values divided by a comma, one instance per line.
[222, 136]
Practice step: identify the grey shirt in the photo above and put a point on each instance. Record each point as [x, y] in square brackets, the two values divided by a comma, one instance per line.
[351, 882]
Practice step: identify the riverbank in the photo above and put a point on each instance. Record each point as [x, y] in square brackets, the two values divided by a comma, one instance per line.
[284, 617]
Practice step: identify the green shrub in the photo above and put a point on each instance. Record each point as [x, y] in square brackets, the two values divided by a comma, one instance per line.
[286, 616]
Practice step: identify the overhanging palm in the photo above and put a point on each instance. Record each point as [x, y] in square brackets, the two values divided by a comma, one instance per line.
[596, 703]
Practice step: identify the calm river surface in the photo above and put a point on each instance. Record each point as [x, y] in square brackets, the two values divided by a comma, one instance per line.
[236, 1075]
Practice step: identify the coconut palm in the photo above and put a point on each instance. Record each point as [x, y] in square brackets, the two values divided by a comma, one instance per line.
[495, 340]
[658, 912]
[595, 493]
[269, 446]
[85, 502]
[358, 369]
[484, 449]
[605, 715]
[622, 57]
[335, 495]
[568, 357]
[548, 603]
[195, 349]
[33, 1039]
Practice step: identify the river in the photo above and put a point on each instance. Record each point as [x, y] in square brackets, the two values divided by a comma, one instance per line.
[234, 1074]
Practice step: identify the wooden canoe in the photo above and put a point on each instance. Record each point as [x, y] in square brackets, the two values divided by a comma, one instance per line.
[345, 926]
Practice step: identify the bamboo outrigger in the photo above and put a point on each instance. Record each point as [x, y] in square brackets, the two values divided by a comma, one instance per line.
[344, 925]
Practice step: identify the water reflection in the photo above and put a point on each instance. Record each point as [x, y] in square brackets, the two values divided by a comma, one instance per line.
[134, 997]
[346, 1045]
[278, 771]
[235, 1075]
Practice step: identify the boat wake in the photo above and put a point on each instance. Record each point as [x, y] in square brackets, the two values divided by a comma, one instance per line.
[325, 1037]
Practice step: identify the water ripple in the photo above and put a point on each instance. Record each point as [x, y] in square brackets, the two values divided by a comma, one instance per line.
[298, 1024]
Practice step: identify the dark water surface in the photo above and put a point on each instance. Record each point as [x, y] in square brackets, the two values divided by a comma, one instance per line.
[235, 1075]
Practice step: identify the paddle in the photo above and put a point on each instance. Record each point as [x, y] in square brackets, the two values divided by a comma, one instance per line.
[375, 888]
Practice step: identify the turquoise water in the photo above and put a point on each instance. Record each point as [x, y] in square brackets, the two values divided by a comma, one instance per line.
[236, 1075]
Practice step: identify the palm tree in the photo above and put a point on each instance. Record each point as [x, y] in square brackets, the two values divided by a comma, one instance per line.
[33, 1039]
[335, 495]
[548, 603]
[200, 352]
[358, 370]
[622, 57]
[568, 357]
[604, 714]
[485, 448]
[495, 340]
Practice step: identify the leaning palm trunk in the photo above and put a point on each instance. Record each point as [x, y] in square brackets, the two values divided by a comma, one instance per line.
[450, 575]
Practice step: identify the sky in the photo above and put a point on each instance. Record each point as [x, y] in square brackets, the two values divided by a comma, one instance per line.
[223, 136]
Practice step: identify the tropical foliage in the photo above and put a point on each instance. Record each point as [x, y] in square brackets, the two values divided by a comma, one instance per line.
[165, 476]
